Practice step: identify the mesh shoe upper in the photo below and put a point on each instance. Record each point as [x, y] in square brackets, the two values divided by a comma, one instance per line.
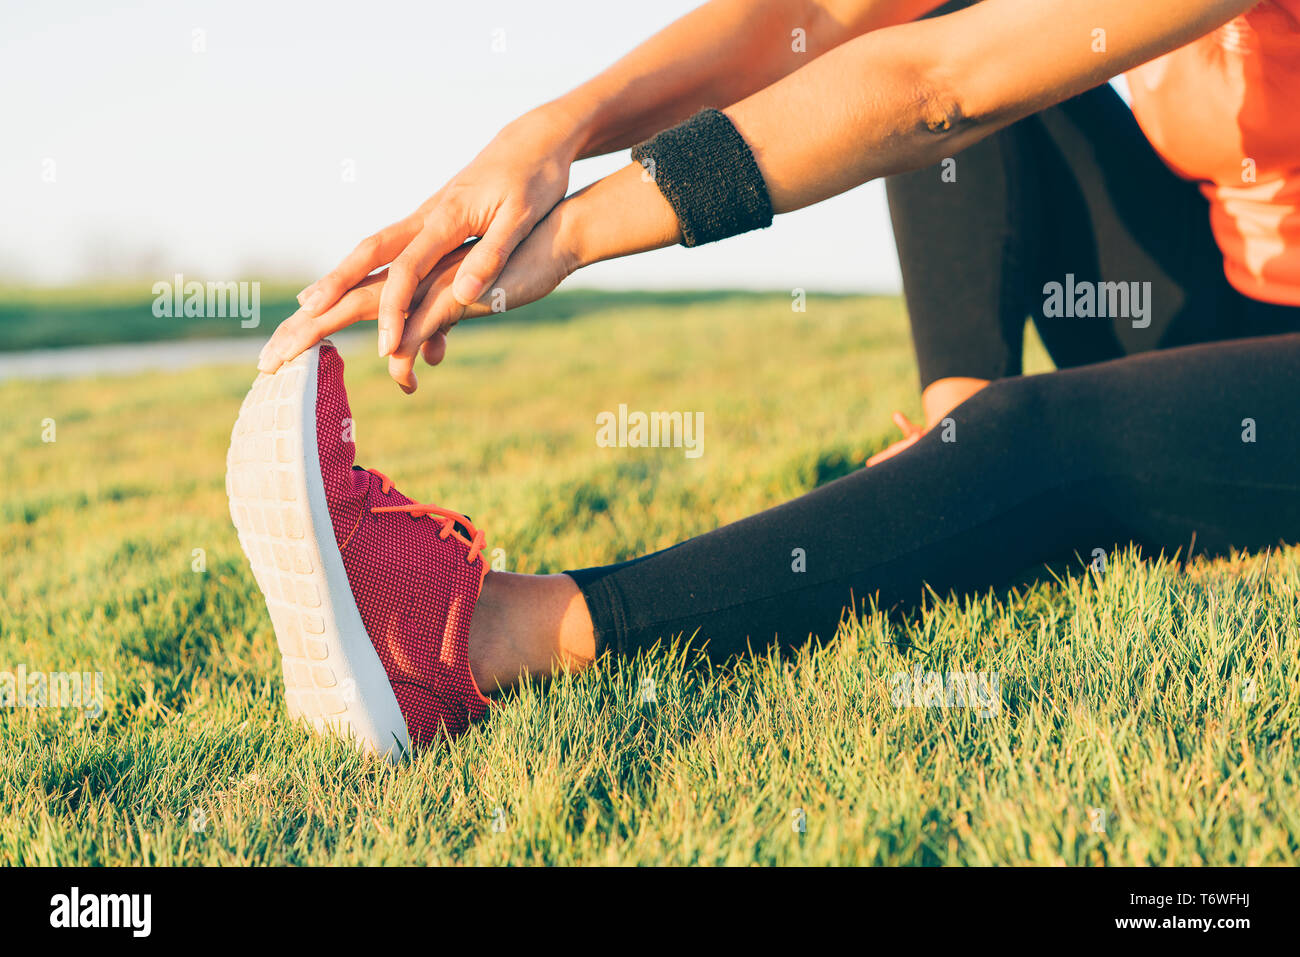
[415, 579]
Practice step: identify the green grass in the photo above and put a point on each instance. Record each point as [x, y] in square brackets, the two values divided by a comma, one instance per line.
[1165, 698]
[123, 311]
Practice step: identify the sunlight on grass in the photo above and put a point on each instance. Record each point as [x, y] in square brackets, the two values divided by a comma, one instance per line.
[1147, 717]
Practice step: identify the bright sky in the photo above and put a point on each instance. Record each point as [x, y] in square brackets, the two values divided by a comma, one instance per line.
[228, 162]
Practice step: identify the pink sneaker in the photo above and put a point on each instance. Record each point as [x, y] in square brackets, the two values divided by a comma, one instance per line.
[371, 594]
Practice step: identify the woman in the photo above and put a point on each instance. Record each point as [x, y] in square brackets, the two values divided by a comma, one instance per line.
[1020, 187]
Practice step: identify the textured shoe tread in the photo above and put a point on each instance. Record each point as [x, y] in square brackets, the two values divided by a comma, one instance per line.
[270, 507]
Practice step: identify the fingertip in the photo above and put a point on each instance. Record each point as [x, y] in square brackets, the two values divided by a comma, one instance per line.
[315, 301]
[402, 371]
[387, 336]
[467, 288]
[434, 349]
[269, 357]
[407, 382]
[392, 320]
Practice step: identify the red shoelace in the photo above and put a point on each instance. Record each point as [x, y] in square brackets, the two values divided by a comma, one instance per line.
[446, 516]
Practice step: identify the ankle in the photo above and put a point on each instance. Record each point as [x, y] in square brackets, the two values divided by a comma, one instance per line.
[534, 625]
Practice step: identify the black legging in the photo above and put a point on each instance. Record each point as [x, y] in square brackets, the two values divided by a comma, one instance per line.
[1147, 449]
[1075, 190]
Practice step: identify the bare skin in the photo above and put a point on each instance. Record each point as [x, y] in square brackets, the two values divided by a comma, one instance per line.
[939, 398]
[535, 625]
[523, 173]
[876, 93]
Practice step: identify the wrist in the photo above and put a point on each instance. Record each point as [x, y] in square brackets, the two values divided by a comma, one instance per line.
[708, 174]
[622, 214]
[578, 115]
[569, 240]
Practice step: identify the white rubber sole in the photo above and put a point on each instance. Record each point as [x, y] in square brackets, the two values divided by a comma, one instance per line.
[333, 677]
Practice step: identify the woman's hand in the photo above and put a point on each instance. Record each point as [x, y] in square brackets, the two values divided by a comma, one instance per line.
[302, 330]
[540, 263]
[911, 434]
[939, 398]
[499, 197]
[615, 216]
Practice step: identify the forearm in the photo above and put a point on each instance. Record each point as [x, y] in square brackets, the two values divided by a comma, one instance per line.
[620, 215]
[716, 55]
[879, 105]
[903, 98]
[911, 95]
[845, 130]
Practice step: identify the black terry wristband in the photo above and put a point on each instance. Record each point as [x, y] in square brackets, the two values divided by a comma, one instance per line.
[705, 170]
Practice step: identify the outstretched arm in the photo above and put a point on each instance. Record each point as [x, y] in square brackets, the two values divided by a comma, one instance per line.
[906, 97]
[718, 54]
[898, 98]
[715, 55]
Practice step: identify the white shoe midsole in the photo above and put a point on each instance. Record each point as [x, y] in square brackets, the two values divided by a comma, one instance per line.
[332, 675]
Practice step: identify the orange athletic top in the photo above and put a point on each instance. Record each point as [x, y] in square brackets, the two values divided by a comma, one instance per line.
[1225, 111]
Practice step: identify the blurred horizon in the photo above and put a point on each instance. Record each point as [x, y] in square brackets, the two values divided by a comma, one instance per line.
[243, 141]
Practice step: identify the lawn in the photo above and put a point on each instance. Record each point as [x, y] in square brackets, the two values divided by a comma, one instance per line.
[1147, 716]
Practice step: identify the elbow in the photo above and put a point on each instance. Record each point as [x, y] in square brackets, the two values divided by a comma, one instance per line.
[943, 112]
